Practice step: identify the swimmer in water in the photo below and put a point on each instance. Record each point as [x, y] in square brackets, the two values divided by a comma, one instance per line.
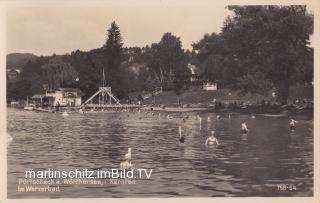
[293, 124]
[218, 117]
[212, 139]
[208, 119]
[181, 137]
[244, 128]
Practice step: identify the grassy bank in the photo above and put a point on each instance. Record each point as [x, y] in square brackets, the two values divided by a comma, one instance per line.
[196, 97]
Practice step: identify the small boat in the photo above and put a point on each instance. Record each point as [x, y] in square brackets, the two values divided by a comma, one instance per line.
[28, 108]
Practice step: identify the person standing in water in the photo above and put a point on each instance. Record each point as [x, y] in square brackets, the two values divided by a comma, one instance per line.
[212, 139]
[181, 137]
[244, 128]
[293, 124]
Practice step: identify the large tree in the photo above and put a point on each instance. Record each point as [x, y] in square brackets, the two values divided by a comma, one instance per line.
[113, 51]
[265, 44]
[58, 73]
[166, 60]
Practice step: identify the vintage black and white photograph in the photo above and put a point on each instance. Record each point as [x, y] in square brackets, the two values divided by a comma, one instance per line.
[159, 99]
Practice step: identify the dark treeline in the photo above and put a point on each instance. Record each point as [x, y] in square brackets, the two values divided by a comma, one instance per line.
[259, 48]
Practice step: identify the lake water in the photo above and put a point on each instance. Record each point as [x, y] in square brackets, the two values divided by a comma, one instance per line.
[242, 165]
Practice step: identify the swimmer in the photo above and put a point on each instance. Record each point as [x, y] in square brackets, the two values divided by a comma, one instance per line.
[208, 119]
[244, 128]
[181, 137]
[293, 124]
[253, 116]
[212, 139]
[218, 117]
[229, 116]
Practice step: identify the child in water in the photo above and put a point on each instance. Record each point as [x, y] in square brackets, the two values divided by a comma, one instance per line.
[293, 124]
[212, 139]
[244, 128]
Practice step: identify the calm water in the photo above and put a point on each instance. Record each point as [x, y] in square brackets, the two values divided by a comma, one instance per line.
[251, 165]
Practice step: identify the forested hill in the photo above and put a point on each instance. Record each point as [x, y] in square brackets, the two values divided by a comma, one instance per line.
[18, 60]
[260, 48]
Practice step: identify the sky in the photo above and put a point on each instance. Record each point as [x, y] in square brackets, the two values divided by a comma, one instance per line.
[60, 29]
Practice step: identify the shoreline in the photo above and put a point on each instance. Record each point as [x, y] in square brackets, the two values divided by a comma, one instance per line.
[256, 110]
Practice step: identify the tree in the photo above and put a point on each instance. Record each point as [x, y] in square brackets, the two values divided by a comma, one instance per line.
[114, 41]
[167, 63]
[29, 81]
[166, 59]
[269, 40]
[113, 51]
[59, 73]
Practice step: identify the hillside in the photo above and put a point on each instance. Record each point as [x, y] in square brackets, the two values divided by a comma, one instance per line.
[18, 60]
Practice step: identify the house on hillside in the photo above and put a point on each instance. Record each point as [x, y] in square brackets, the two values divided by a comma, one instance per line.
[210, 86]
[13, 74]
[61, 97]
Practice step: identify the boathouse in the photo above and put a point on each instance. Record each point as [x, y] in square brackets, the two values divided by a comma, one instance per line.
[61, 97]
[64, 97]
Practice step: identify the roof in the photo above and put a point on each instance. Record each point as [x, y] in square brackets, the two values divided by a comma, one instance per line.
[38, 96]
[78, 91]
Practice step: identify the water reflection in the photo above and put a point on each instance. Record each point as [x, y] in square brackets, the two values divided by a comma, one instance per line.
[242, 165]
